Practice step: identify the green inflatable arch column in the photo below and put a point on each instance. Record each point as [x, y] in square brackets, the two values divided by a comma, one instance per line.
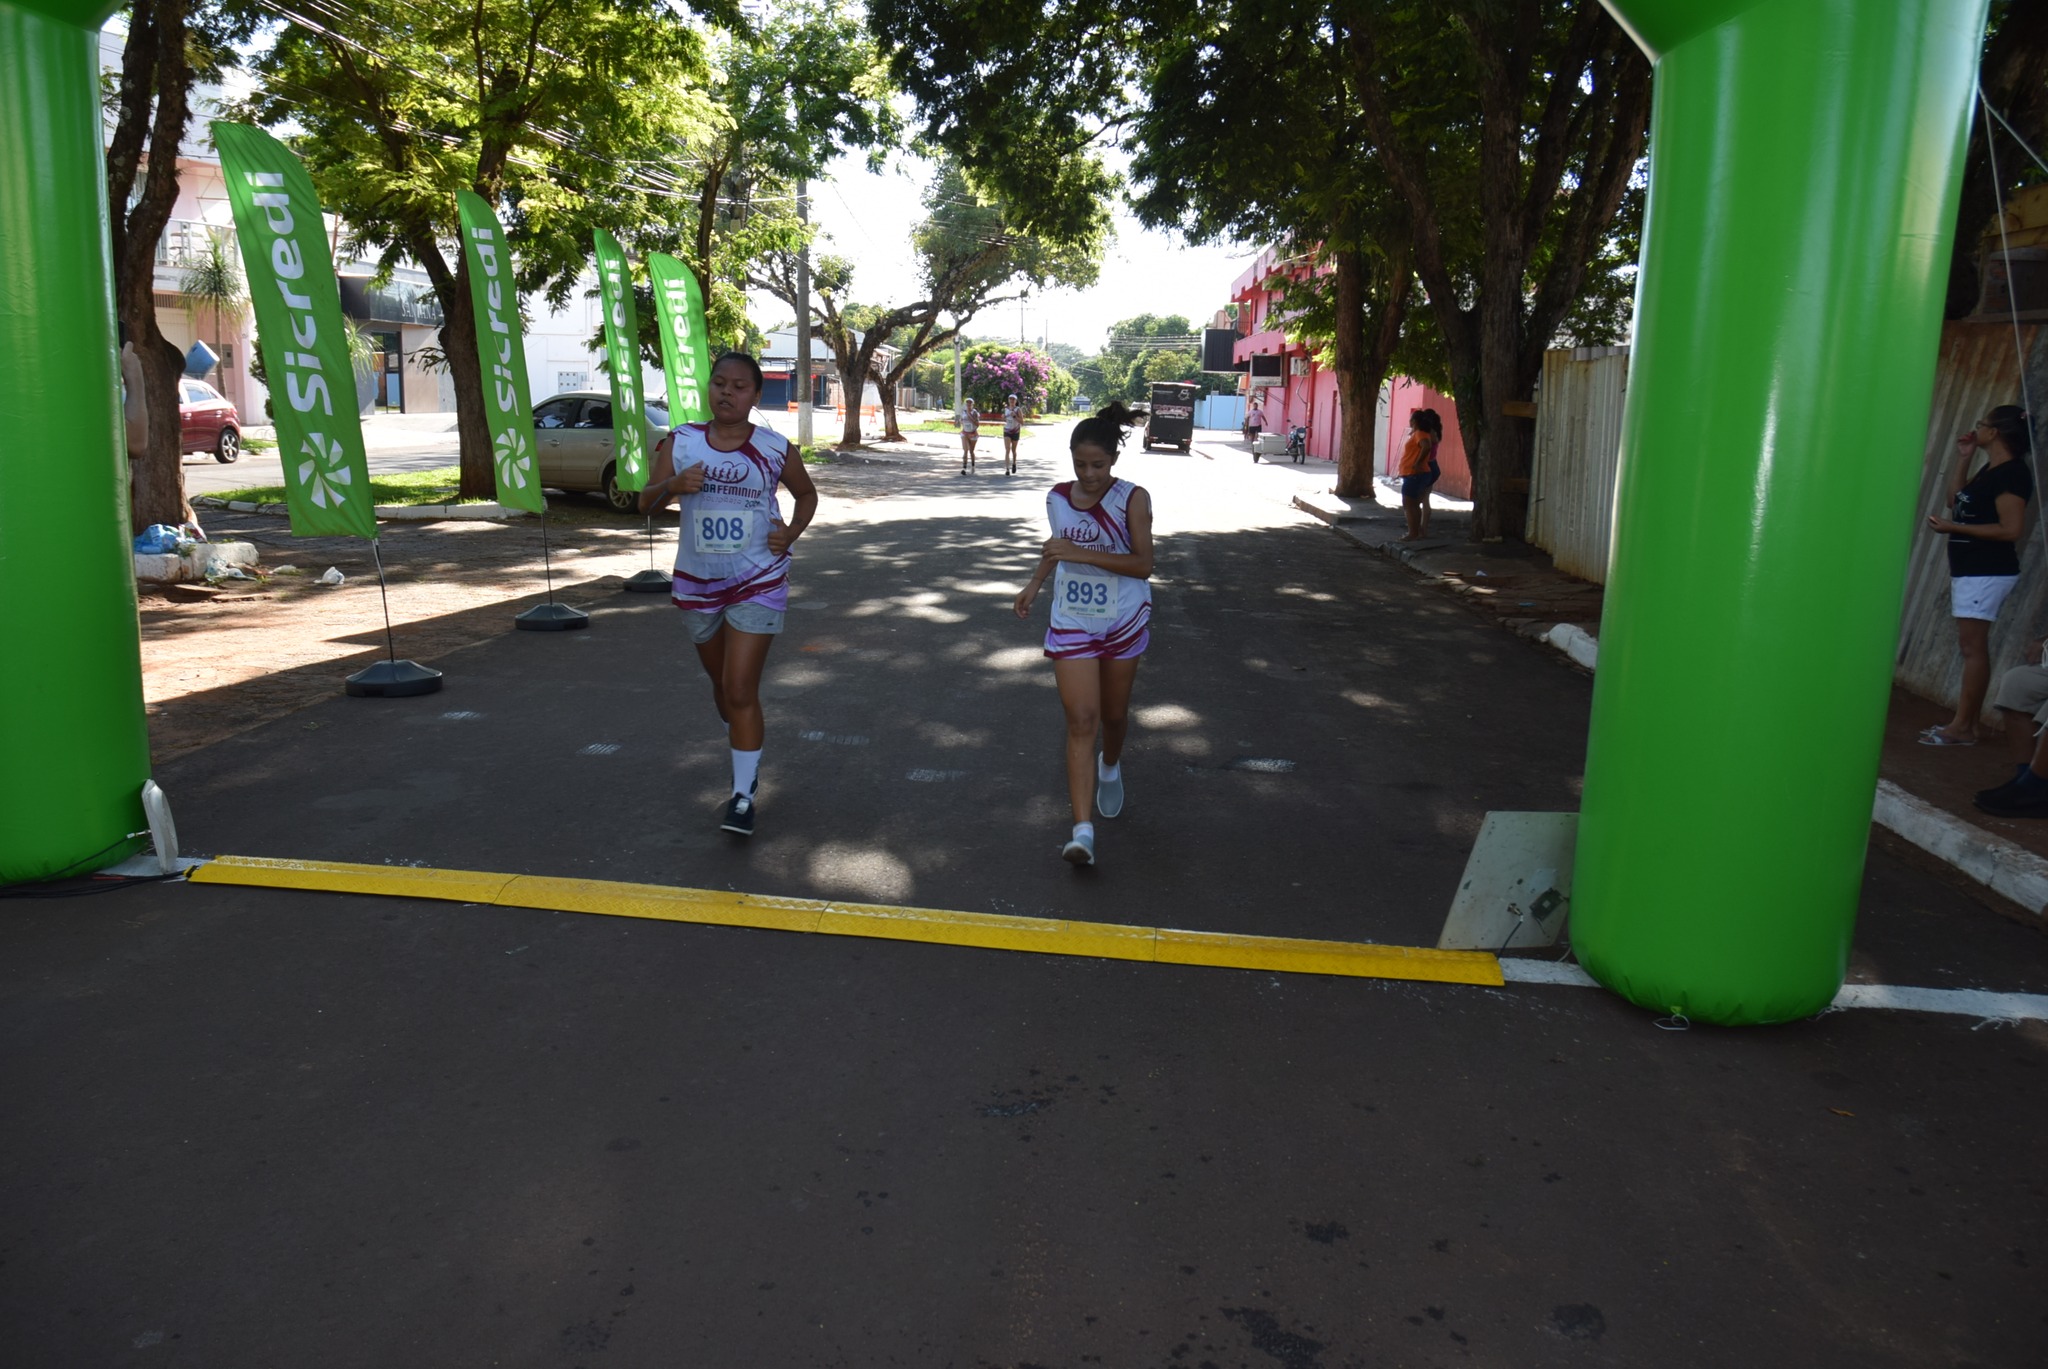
[72, 731]
[1805, 156]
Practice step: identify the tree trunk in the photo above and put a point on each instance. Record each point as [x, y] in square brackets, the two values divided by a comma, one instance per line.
[1365, 344]
[890, 432]
[479, 478]
[1499, 456]
[852, 380]
[157, 479]
[466, 375]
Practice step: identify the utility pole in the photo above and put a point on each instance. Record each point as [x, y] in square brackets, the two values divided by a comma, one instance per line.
[959, 344]
[803, 319]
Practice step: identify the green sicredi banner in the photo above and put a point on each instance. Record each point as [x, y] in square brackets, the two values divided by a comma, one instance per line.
[685, 348]
[622, 350]
[298, 317]
[501, 347]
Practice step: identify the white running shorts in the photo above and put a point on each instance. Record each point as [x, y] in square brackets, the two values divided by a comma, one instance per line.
[1979, 596]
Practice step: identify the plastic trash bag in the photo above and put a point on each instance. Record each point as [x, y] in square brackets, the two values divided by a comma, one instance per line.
[158, 539]
[332, 576]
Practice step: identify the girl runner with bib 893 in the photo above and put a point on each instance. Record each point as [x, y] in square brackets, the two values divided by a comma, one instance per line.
[1100, 558]
[732, 560]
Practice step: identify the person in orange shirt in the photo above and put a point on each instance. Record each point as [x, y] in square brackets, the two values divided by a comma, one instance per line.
[1418, 470]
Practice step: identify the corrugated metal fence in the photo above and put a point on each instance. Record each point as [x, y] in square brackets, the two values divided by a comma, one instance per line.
[1578, 438]
[1976, 372]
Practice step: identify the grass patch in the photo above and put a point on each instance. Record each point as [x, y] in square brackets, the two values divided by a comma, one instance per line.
[436, 486]
[258, 444]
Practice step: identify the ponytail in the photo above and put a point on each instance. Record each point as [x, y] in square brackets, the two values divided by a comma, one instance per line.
[1107, 426]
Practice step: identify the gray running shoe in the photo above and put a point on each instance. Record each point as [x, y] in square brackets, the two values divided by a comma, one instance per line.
[1079, 850]
[1109, 794]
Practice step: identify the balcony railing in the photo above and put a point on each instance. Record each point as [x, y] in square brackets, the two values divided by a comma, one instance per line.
[183, 243]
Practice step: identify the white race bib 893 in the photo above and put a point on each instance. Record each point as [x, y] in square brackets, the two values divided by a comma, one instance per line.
[721, 532]
[1086, 592]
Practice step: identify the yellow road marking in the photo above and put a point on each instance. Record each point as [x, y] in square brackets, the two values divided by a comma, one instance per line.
[1047, 936]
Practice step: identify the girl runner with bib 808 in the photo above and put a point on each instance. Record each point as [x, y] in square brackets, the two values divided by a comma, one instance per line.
[1100, 558]
[732, 560]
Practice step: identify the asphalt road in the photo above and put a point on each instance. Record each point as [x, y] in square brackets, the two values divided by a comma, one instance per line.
[256, 1128]
[392, 443]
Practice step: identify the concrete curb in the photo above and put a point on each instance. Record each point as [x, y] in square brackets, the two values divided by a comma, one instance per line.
[195, 562]
[1999, 865]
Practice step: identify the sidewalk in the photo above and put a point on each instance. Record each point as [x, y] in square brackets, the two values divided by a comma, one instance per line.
[1518, 585]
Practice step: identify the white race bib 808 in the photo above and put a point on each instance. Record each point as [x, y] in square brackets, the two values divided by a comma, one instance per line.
[721, 532]
[1086, 592]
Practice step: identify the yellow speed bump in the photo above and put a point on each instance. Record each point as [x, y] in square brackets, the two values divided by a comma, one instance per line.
[937, 926]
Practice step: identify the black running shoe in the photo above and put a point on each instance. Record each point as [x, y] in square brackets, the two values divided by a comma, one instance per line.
[739, 816]
[2015, 800]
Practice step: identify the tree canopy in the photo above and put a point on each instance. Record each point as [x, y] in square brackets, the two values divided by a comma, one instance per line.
[573, 114]
[1485, 148]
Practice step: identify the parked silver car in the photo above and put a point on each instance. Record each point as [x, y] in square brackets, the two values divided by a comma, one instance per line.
[574, 433]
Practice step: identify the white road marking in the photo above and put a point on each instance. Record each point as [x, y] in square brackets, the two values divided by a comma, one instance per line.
[461, 715]
[599, 749]
[934, 776]
[1987, 1004]
[834, 738]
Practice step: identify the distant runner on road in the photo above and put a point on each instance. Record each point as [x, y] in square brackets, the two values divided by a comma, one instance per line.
[970, 432]
[732, 559]
[1100, 558]
[1013, 428]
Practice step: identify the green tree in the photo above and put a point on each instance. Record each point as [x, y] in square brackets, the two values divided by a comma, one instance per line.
[1507, 131]
[570, 114]
[1228, 85]
[968, 252]
[214, 283]
[801, 86]
[1513, 132]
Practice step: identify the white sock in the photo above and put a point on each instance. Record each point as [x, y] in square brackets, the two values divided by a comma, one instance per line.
[745, 766]
[1084, 831]
[1108, 774]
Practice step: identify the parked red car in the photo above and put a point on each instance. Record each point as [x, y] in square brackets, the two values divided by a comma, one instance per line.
[207, 421]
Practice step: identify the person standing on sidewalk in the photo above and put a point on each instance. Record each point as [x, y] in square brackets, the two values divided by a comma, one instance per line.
[1988, 514]
[2022, 703]
[1418, 470]
[1100, 558]
[732, 559]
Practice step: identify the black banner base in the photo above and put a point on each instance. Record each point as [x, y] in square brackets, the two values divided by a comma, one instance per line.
[552, 618]
[393, 680]
[650, 581]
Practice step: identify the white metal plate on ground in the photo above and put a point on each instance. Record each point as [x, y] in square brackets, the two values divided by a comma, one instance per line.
[1517, 886]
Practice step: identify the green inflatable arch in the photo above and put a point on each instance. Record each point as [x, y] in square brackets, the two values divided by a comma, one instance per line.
[71, 725]
[1804, 164]
[1802, 196]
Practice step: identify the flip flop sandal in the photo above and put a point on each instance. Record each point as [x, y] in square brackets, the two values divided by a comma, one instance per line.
[1934, 736]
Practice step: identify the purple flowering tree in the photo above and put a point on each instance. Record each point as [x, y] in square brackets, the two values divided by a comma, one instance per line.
[993, 371]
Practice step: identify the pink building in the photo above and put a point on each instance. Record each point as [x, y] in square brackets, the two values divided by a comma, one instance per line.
[1299, 391]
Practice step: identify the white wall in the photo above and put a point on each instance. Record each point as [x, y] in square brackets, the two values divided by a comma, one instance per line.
[556, 350]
